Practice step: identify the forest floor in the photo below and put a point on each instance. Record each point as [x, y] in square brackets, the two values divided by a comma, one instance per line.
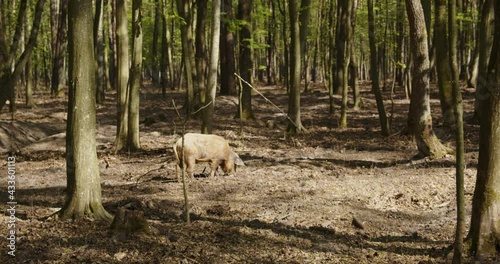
[330, 195]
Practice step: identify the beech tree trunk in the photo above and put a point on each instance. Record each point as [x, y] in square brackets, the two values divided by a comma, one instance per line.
[485, 43]
[485, 220]
[201, 53]
[419, 119]
[9, 78]
[99, 50]
[83, 180]
[184, 7]
[133, 141]
[384, 124]
[123, 74]
[344, 45]
[227, 49]
[442, 62]
[208, 112]
[246, 64]
[459, 133]
[295, 124]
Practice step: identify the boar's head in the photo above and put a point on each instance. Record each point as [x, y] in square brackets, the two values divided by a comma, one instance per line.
[229, 165]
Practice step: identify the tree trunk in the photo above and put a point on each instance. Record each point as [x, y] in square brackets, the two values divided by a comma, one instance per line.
[353, 62]
[83, 180]
[133, 140]
[442, 63]
[304, 16]
[99, 50]
[113, 58]
[228, 63]
[286, 60]
[400, 31]
[419, 119]
[156, 33]
[245, 35]
[123, 74]
[9, 78]
[332, 63]
[344, 45]
[384, 124]
[459, 133]
[200, 53]
[28, 71]
[166, 46]
[271, 46]
[208, 112]
[485, 220]
[485, 42]
[58, 66]
[295, 123]
[184, 8]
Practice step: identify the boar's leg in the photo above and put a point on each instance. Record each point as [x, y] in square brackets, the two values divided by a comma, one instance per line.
[190, 162]
[214, 163]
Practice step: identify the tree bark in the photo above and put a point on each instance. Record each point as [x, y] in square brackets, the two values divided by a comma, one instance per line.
[133, 140]
[295, 123]
[485, 42]
[201, 53]
[83, 180]
[208, 112]
[442, 63]
[184, 8]
[246, 64]
[459, 133]
[344, 45]
[9, 78]
[228, 63]
[384, 124]
[122, 44]
[484, 230]
[156, 33]
[419, 119]
[99, 50]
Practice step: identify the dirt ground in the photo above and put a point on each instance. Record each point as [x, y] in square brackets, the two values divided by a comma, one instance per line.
[330, 195]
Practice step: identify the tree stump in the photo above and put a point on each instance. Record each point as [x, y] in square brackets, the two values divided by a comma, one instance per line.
[127, 222]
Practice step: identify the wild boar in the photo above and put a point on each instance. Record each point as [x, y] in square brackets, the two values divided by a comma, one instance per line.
[205, 148]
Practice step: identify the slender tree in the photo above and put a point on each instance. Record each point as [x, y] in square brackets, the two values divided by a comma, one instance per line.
[344, 45]
[123, 74]
[83, 180]
[185, 10]
[245, 61]
[442, 62]
[419, 119]
[167, 73]
[201, 52]
[227, 49]
[295, 123]
[9, 77]
[156, 33]
[485, 43]
[59, 51]
[208, 112]
[133, 142]
[459, 133]
[384, 124]
[99, 50]
[484, 233]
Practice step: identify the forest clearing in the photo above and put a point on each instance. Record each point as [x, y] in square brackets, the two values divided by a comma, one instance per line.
[293, 202]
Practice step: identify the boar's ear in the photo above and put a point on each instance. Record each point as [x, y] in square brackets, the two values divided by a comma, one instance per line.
[239, 162]
[236, 159]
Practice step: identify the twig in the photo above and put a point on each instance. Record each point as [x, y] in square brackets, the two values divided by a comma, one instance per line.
[265, 98]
